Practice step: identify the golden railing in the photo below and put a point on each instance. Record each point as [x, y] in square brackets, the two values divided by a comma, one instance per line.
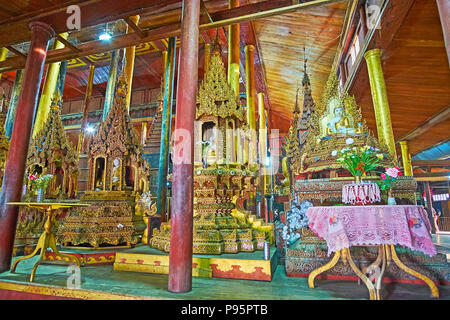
[444, 223]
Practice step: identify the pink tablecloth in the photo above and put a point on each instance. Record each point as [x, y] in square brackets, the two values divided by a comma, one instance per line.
[346, 226]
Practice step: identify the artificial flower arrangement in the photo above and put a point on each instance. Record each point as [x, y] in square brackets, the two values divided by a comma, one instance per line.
[40, 182]
[387, 178]
[359, 161]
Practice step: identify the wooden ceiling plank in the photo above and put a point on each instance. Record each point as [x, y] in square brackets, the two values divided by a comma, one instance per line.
[432, 163]
[166, 31]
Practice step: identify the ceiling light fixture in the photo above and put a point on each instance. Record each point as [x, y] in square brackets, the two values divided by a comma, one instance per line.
[105, 36]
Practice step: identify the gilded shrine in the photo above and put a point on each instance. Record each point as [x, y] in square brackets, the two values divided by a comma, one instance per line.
[221, 178]
[50, 152]
[117, 176]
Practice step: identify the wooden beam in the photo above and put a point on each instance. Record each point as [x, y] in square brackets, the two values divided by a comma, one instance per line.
[441, 116]
[237, 16]
[67, 43]
[16, 52]
[93, 12]
[431, 163]
[45, 11]
[164, 31]
[135, 27]
[444, 174]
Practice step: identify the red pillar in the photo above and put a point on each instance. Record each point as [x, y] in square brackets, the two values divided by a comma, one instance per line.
[18, 149]
[180, 259]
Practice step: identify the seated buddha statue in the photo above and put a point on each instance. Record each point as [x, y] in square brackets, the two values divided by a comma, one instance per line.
[209, 151]
[339, 124]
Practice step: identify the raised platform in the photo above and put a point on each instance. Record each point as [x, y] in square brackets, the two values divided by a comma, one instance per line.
[86, 258]
[302, 259]
[102, 282]
[243, 265]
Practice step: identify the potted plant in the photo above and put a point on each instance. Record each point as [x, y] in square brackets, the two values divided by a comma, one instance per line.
[387, 179]
[41, 184]
[360, 161]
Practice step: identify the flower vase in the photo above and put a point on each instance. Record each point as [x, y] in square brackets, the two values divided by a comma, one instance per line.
[40, 195]
[358, 179]
[391, 199]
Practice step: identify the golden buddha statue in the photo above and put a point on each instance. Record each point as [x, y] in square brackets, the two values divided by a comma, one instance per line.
[338, 122]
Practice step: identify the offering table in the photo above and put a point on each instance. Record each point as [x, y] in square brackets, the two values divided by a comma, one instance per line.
[47, 239]
[384, 226]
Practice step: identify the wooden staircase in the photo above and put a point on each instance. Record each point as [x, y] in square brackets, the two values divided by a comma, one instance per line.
[153, 141]
[152, 149]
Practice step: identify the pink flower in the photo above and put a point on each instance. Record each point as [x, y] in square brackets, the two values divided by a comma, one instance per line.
[393, 172]
[383, 176]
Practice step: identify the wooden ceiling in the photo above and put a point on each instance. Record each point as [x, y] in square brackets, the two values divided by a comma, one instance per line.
[282, 40]
[417, 75]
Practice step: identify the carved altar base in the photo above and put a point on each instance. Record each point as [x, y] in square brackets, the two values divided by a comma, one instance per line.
[218, 226]
[329, 191]
[110, 220]
[310, 252]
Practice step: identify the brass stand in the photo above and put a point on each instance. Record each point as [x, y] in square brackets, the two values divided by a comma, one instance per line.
[386, 253]
[47, 239]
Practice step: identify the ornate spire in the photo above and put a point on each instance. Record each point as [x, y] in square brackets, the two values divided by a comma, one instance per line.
[217, 49]
[215, 95]
[296, 107]
[52, 137]
[308, 102]
[117, 131]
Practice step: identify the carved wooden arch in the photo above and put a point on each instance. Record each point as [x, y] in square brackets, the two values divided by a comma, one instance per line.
[112, 175]
[93, 171]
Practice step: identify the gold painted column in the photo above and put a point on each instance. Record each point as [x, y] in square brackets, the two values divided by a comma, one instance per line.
[380, 101]
[3, 53]
[234, 47]
[143, 132]
[48, 90]
[130, 54]
[163, 84]
[250, 80]
[207, 59]
[406, 159]
[87, 98]
[233, 51]
[262, 140]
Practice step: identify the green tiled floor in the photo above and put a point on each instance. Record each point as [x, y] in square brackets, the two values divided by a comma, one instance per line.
[103, 278]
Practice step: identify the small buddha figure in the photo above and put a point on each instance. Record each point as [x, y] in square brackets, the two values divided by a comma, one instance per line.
[116, 174]
[98, 182]
[209, 147]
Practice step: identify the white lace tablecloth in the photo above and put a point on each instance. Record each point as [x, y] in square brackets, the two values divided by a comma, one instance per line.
[360, 193]
[344, 226]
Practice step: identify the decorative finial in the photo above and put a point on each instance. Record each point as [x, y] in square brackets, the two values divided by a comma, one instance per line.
[306, 82]
[296, 107]
[56, 100]
[217, 49]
